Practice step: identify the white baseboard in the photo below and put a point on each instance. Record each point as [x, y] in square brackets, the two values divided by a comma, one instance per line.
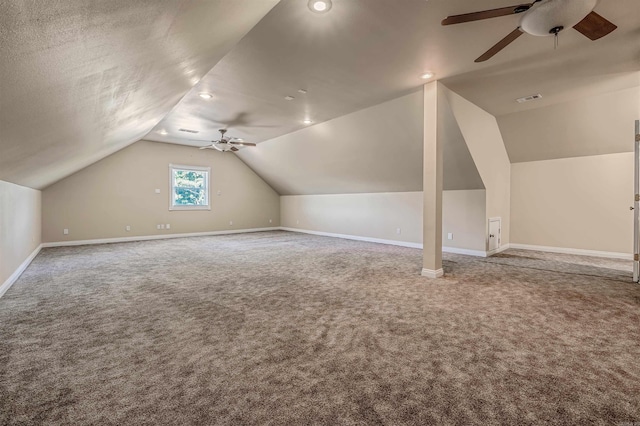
[580, 252]
[467, 252]
[430, 273]
[355, 237]
[16, 274]
[445, 249]
[154, 237]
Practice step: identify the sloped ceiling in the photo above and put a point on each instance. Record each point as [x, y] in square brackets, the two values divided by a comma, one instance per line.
[82, 79]
[578, 68]
[602, 124]
[364, 52]
[459, 169]
[377, 149]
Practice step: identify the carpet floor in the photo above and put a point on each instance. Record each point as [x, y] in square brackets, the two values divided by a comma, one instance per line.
[281, 328]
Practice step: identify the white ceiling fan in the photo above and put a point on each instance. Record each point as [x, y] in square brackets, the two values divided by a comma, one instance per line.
[226, 143]
[543, 18]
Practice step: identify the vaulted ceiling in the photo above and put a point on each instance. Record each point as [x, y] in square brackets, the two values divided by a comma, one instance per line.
[80, 80]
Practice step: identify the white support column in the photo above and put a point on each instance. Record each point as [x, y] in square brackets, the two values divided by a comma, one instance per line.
[432, 186]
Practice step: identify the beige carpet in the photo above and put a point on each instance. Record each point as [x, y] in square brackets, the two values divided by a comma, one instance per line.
[283, 328]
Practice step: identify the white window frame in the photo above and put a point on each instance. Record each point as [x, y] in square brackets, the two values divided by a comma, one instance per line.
[172, 193]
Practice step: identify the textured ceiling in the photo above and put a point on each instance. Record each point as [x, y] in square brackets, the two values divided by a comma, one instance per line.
[82, 79]
[364, 52]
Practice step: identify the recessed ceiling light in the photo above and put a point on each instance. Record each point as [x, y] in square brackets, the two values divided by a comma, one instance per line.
[163, 132]
[319, 6]
[289, 98]
[427, 75]
[302, 91]
[307, 121]
[205, 95]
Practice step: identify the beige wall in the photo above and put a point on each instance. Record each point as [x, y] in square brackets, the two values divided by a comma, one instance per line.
[378, 215]
[463, 215]
[374, 215]
[481, 132]
[580, 203]
[20, 221]
[102, 199]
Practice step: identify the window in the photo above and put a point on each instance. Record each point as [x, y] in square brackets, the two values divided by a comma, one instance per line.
[189, 187]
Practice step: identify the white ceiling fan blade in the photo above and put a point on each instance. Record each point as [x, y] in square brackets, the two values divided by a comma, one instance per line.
[242, 143]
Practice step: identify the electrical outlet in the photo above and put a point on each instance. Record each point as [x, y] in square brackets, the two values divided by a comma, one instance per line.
[230, 222]
[270, 221]
[450, 236]
[398, 231]
[219, 192]
[162, 226]
[127, 228]
[158, 226]
[157, 190]
[65, 231]
[297, 222]
[168, 226]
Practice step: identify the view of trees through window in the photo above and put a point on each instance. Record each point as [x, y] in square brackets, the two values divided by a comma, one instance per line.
[190, 187]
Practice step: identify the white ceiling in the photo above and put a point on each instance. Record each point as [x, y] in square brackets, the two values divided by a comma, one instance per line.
[364, 52]
[81, 80]
[602, 124]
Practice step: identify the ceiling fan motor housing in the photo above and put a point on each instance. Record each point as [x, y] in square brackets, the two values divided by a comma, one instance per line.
[548, 17]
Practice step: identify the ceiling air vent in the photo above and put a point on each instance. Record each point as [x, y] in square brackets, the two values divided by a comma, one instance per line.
[529, 98]
[189, 130]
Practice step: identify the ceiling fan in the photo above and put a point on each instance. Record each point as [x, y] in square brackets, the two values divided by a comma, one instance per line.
[226, 143]
[542, 18]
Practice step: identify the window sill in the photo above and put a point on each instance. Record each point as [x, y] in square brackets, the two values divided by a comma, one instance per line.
[189, 208]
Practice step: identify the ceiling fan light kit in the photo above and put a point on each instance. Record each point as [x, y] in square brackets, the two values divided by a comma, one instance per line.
[548, 16]
[542, 18]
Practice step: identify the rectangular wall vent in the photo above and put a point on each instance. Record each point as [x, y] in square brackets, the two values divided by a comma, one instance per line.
[529, 98]
[188, 130]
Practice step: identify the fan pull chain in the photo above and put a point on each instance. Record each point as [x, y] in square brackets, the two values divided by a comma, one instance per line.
[555, 31]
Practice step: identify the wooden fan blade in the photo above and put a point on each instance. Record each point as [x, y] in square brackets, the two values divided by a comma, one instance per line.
[486, 14]
[500, 45]
[242, 143]
[594, 26]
